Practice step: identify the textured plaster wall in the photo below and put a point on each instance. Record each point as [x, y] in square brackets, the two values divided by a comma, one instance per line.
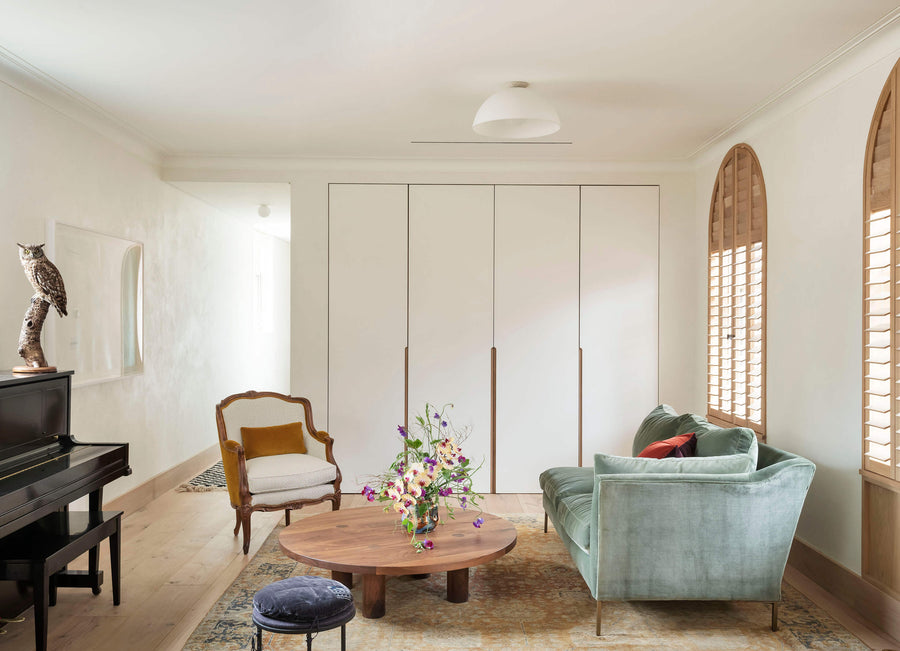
[199, 339]
[811, 149]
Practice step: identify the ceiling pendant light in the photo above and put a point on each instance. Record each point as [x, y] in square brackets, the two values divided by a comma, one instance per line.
[516, 112]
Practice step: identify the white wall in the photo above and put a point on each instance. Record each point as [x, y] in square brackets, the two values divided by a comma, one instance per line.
[811, 147]
[199, 343]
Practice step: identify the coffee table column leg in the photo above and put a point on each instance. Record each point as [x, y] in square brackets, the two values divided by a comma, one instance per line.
[345, 578]
[373, 596]
[458, 586]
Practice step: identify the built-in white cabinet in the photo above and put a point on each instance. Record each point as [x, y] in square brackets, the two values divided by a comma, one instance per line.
[367, 262]
[451, 309]
[560, 283]
[619, 314]
[536, 333]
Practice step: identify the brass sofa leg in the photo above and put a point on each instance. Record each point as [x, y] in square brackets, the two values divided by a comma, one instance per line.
[774, 615]
[545, 522]
[599, 615]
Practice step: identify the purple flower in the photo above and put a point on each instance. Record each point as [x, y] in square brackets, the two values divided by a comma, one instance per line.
[465, 489]
[369, 492]
[437, 416]
[427, 544]
[443, 423]
[462, 501]
[478, 522]
[462, 459]
[402, 431]
[445, 492]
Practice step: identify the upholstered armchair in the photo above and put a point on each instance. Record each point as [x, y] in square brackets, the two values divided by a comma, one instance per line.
[273, 456]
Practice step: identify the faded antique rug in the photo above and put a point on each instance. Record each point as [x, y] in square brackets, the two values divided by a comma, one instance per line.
[532, 598]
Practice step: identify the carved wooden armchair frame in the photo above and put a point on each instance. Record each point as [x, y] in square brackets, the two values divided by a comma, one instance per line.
[235, 465]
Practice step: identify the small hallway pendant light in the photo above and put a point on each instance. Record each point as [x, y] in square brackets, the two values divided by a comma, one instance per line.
[516, 112]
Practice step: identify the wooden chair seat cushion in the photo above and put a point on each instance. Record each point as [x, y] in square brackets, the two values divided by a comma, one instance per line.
[285, 472]
[303, 604]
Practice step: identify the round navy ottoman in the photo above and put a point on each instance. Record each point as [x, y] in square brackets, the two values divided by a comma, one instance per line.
[302, 604]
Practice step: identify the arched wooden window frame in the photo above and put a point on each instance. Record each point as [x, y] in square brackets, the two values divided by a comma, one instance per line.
[881, 311]
[736, 294]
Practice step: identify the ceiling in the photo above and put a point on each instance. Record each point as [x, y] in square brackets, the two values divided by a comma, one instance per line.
[632, 80]
[242, 200]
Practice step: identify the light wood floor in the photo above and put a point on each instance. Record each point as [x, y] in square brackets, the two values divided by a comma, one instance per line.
[179, 556]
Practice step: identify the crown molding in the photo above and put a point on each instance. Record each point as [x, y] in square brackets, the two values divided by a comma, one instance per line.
[282, 169]
[21, 76]
[801, 85]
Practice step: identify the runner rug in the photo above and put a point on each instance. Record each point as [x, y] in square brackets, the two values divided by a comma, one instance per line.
[532, 598]
[211, 479]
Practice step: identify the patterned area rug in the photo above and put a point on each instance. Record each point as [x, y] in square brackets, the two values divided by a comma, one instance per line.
[211, 479]
[532, 598]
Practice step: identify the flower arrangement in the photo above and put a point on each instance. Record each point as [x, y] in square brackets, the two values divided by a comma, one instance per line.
[431, 469]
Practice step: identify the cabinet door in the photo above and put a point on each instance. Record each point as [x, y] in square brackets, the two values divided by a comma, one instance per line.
[366, 326]
[536, 332]
[451, 242]
[619, 314]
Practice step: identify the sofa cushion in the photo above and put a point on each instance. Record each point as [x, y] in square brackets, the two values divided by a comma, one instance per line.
[660, 424]
[682, 445]
[713, 440]
[607, 464]
[574, 515]
[557, 483]
[286, 472]
[277, 439]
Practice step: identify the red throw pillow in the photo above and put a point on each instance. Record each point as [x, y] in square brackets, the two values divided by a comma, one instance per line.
[683, 445]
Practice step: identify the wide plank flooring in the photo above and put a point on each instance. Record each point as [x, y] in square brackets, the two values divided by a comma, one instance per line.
[179, 556]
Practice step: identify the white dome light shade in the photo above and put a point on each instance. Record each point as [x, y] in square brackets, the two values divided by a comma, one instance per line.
[516, 112]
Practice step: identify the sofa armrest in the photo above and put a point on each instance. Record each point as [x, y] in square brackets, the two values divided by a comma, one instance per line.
[665, 536]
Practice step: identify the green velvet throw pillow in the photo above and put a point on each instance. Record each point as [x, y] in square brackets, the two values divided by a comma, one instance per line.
[607, 464]
[734, 440]
[660, 424]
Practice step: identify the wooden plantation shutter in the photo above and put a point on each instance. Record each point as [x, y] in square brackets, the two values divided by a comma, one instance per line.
[881, 312]
[736, 335]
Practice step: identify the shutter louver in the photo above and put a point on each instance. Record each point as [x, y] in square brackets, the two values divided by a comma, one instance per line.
[881, 313]
[736, 316]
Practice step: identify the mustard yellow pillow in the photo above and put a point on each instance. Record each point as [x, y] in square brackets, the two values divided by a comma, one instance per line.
[277, 439]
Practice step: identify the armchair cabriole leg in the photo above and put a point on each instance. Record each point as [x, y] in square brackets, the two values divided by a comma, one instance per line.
[545, 522]
[237, 521]
[599, 615]
[245, 525]
[774, 615]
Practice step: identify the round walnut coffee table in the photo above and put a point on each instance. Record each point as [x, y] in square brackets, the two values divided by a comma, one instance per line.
[368, 541]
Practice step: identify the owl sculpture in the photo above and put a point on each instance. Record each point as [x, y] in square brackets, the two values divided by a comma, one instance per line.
[43, 276]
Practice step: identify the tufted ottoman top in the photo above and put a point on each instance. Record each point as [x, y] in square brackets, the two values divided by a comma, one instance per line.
[311, 603]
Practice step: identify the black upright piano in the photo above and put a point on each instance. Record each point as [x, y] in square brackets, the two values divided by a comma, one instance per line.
[42, 467]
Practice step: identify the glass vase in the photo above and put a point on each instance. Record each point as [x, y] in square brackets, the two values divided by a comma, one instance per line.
[426, 515]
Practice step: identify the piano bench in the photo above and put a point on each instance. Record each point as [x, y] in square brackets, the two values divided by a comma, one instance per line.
[40, 551]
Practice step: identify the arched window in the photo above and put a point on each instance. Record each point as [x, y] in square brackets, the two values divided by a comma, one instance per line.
[736, 335]
[880, 291]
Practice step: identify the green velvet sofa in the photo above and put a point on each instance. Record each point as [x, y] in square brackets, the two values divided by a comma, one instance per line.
[681, 529]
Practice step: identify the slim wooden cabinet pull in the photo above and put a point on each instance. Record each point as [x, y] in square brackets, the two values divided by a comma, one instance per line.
[493, 420]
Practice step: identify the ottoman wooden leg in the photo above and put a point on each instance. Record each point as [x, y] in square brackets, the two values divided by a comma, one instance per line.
[458, 586]
[373, 596]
